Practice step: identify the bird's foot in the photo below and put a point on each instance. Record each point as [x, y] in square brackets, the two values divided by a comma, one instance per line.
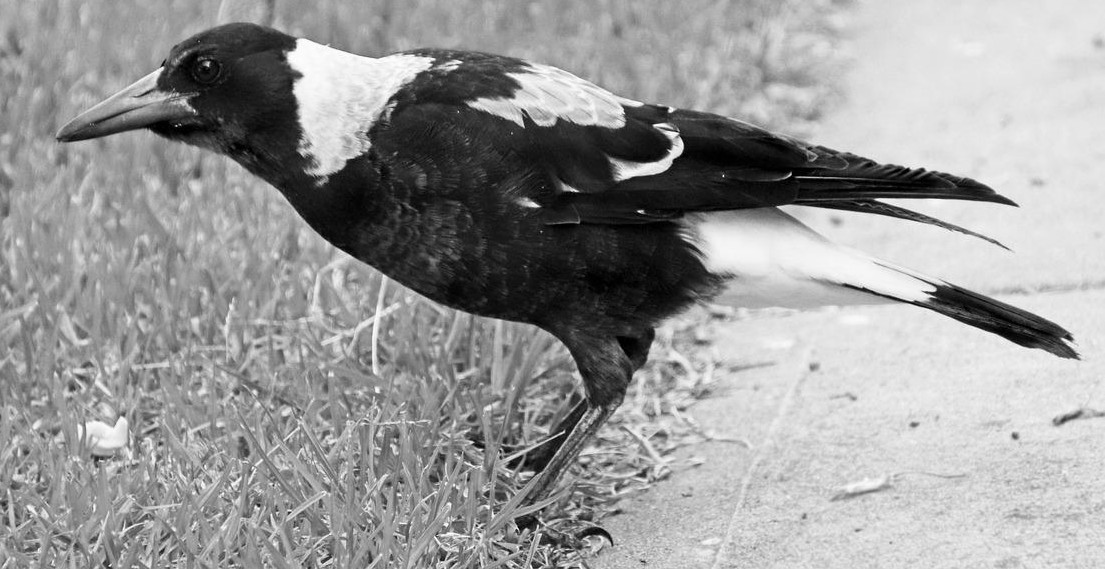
[575, 539]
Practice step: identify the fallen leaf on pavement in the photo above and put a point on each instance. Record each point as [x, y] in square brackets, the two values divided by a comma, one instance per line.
[869, 485]
[865, 486]
[1083, 413]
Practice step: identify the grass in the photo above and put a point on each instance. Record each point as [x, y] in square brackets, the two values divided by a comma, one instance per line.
[288, 406]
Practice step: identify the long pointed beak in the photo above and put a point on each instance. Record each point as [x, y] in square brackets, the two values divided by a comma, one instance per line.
[137, 106]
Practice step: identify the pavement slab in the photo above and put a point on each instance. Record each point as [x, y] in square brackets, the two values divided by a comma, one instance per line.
[960, 419]
[957, 420]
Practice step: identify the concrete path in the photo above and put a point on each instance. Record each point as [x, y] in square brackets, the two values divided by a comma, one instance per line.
[1014, 96]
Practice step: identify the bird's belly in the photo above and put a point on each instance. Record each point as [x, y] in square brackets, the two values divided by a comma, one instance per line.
[617, 279]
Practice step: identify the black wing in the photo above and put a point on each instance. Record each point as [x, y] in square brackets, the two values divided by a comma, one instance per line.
[609, 160]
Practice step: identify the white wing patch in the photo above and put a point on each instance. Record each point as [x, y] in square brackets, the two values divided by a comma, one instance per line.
[547, 94]
[450, 65]
[626, 169]
[773, 259]
[340, 96]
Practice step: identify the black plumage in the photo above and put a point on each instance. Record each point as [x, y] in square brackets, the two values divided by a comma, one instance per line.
[518, 191]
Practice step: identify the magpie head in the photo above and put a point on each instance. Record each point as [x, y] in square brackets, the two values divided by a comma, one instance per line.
[228, 89]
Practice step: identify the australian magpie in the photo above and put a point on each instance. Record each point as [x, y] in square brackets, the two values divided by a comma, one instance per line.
[519, 191]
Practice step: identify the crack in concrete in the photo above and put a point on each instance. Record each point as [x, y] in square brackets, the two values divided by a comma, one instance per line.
[804, 371]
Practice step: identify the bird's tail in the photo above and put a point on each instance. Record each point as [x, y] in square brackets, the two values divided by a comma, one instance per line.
[771, 259]
[978, 310]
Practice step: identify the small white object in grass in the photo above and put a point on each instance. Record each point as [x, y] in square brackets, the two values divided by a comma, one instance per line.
[102, 439]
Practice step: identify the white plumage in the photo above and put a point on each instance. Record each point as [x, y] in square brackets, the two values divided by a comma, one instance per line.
[340, 96]
[772, 259]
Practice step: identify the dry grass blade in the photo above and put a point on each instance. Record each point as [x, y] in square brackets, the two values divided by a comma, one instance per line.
[879, 483]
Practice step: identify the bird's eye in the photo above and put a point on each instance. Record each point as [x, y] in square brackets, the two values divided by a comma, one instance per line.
[206, 70]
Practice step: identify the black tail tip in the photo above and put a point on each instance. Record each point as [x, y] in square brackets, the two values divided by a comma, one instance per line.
[1031, 331]
[1061, 346]
[1014, 324]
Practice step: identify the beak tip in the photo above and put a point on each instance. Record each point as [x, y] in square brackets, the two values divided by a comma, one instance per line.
[137, 106]
[68, 133]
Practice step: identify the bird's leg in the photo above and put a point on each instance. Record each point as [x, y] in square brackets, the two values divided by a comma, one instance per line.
[636, 349]
[589, 423]
[538, 458]
[606, 370]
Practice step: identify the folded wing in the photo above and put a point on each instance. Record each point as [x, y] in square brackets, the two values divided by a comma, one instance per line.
[610, 160]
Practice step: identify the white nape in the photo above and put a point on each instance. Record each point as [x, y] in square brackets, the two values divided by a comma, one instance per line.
[340, 96]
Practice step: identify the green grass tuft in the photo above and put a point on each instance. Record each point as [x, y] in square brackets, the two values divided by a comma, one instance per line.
[288, 408]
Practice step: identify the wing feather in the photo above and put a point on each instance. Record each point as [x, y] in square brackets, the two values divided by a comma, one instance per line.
[609, 160]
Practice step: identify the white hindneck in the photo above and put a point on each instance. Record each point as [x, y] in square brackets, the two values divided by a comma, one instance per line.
[340, 96]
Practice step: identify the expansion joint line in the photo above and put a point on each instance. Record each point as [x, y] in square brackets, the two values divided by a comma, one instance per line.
[803, 370]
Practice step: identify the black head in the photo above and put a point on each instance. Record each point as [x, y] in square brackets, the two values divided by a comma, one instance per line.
[220, 89]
